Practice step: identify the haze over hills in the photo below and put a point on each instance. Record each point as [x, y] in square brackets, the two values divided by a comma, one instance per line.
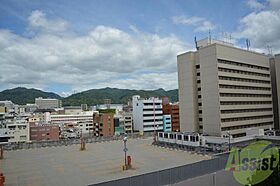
[22, 95]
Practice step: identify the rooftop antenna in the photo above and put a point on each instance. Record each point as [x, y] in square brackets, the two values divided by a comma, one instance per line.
[248, 44]
[269, 48]
[195, 41]
[209, 36]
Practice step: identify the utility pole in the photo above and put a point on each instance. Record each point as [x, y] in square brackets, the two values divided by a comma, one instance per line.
[125, 150]
[154, 110]
[228, 141]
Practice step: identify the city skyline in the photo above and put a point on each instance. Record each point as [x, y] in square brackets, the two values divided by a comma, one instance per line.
[69, 46]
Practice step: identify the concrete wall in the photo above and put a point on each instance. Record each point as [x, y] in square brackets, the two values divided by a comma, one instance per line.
[277, 78]
[210, 91]
[186, 64]
[274, 93]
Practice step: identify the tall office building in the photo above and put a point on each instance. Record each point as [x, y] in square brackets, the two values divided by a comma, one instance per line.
[147, 114]
[275, 80]
[224, 89]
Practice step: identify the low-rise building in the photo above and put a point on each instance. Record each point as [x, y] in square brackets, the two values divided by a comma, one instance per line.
[18, 131]
[128, 122]
[85, 128]
[103, 124]
[47, 103]
[44, 132]
[167, 123]
[173, 110]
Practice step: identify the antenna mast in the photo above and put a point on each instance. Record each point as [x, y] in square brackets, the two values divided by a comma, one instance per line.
[248, 44]
[195, 41]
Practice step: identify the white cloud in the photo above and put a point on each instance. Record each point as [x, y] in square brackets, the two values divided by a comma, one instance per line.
[274, 4]
[200, 23]
[38, 20]
[254, 4]
[105, 57]
[262, 28]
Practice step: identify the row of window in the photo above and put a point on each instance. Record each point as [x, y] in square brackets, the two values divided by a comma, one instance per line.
[242, 64]
[244, 95]
[244, 102]
[179, 137]
[146, 115]
[152, 109]
[243, 79]
[246, 126]
[244, 87]
[246, 118]
[153, 126]
[242, 72]
[152, 120]
[151, 104]
[245, 110]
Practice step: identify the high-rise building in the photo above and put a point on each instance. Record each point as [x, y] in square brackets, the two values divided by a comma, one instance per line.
[275, 80]
[224, 89]
[147, 114]
[47, 103]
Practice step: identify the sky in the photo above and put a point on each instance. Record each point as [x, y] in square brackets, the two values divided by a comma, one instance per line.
[71, 46]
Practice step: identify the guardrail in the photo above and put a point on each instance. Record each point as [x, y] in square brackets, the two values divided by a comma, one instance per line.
[171, 175]
[67, 142]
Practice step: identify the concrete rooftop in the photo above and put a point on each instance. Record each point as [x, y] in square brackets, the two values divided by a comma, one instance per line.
[103, 161]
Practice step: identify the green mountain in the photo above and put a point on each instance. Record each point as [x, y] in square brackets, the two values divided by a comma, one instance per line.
[23, 96]
[97, 96]
[91, 97]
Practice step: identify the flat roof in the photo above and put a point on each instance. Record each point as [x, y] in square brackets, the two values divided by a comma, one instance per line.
[102, 161]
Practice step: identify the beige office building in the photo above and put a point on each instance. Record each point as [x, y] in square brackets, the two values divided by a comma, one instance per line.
[275, 79]
[224, 89]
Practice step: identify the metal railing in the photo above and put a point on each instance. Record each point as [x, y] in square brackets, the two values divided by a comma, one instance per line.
[67, 142]
[171, 175]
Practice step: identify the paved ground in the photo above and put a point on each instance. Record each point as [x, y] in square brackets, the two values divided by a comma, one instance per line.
[100, 162]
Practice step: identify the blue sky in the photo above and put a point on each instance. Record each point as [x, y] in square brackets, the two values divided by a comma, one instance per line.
[67, 46]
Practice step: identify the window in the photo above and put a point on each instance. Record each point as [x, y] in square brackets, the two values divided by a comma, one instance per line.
[243, 64]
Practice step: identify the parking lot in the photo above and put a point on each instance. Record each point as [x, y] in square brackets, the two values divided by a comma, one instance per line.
[67, 165]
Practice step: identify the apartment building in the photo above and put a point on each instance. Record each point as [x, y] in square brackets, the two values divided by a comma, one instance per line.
[3, 109]
[224, 89]
[44, 132]
[173, 110]
[147, 114]
[167, 127]
[119, 124]
[128, 122]
[71, 118]
[85, 128]
[47, 103]
[103, 124]
[18, 130]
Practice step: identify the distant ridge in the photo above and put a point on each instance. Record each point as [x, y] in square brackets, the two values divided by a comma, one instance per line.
[97, 96]
[23, 96]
